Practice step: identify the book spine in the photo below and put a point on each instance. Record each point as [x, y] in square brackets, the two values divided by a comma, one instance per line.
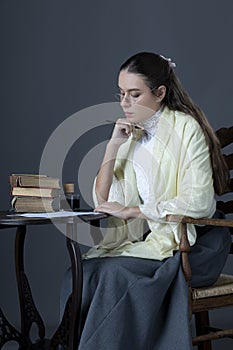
[34, 192]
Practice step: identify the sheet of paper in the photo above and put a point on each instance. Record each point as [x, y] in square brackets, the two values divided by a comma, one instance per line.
[58, 214]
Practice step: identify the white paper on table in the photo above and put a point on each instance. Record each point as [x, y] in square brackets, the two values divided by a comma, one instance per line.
[57, 214]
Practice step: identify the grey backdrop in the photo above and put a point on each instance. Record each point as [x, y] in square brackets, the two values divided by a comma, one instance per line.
[58, 57]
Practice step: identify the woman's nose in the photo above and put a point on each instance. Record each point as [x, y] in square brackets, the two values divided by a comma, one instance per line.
[125, 101]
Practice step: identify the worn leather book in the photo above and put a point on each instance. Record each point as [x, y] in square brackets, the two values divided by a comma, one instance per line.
[32, 204]
[35, 192]
[31, 180]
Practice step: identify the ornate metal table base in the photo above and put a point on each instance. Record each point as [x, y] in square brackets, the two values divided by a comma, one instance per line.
[9, 333]
[68, 332]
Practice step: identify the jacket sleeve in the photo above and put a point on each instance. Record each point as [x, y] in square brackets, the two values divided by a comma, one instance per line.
[193, 192]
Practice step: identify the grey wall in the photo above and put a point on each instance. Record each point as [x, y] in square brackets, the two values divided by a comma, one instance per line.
[58, 57]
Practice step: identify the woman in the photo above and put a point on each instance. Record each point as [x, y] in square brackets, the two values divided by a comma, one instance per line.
[159, 161]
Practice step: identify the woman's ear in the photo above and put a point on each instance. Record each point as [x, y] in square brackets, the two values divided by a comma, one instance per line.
[160, 93]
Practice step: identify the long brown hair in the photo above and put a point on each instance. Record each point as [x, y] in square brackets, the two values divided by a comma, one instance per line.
[157, 70]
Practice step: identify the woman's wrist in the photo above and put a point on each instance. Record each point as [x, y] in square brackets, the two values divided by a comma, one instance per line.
[114, 143]
[133, 212]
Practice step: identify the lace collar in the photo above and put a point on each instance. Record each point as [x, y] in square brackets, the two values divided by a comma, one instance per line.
[150, 125]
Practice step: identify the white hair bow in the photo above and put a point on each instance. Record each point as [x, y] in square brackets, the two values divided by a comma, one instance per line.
[171, 64]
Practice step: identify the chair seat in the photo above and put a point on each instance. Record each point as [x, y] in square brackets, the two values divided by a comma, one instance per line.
[223, 286]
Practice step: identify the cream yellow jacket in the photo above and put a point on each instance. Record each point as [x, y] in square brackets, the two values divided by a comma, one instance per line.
[183, 186]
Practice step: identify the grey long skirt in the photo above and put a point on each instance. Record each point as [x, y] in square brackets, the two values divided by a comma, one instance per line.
[142, 304]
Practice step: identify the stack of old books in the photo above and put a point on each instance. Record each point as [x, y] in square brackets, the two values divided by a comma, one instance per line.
[33, 193]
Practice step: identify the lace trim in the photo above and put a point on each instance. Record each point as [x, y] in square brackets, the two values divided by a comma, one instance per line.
[150, 125]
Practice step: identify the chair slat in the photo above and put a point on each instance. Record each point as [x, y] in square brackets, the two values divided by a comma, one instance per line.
[226, 207]
[228, 188]
[225, 136]
[231, 185]
[229, 160]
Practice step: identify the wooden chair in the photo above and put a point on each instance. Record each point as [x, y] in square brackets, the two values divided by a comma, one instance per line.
[219, 295]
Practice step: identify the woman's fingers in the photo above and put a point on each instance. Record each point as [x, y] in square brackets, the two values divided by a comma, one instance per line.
[126, 127]
[112, 208]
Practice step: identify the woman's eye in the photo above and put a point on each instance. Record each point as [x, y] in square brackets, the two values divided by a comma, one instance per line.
[135, 95]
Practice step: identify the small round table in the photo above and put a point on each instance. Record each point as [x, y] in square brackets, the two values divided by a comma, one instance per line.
[68, 331]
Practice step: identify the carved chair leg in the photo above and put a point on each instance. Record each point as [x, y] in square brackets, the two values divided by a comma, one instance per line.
[202, 323]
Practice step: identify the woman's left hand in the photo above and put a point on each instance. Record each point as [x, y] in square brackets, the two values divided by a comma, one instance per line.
[113, 208]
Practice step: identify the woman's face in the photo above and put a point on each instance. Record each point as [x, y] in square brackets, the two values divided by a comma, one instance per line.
[137, 100]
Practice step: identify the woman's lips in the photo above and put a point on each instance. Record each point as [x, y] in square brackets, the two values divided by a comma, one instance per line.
[128, 114]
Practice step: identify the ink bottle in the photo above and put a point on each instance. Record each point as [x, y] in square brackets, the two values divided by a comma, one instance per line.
[69, 200]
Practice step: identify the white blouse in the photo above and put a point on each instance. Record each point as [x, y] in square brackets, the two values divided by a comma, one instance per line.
[143, 160]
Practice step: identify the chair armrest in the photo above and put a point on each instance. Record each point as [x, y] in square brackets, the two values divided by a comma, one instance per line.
[202, 221]
[184, 245]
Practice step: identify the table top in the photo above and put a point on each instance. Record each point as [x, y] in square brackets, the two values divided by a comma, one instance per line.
[7, 218]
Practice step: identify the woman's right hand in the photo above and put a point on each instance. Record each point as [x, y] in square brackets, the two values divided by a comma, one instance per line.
[122, 131]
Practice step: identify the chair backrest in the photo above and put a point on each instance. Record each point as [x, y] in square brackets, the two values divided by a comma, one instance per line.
[225, 136]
